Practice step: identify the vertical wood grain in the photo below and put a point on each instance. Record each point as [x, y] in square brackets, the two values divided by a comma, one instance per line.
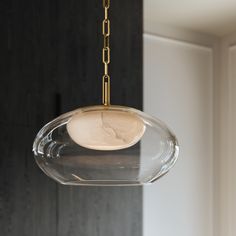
[51, 63]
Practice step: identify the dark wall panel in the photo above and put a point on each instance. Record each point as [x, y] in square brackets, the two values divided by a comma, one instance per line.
[51, 63]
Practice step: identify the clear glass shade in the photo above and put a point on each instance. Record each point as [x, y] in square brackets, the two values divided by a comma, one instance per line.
[105, 145]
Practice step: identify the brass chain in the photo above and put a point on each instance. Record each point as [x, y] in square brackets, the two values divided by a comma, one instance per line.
[106, 55]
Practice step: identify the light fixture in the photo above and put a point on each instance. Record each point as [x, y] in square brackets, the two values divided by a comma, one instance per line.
[105, 144]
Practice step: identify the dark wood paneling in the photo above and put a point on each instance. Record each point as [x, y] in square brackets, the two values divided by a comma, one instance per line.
[50, 63]
[112, 211]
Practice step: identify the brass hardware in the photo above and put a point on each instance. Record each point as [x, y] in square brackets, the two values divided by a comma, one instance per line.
[106, 27]
[106, 4]
[106, 90]
[106, 55]
[106, 42]
[106, 69]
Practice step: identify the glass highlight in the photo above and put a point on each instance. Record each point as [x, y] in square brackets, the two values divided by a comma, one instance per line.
[105, 145]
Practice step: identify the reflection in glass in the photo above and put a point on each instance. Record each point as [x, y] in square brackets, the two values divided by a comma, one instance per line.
[105, 145]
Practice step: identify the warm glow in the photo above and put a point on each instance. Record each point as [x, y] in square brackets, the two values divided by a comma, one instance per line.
[105, 130]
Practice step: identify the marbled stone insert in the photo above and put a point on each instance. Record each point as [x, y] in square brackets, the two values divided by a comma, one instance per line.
[106, 130]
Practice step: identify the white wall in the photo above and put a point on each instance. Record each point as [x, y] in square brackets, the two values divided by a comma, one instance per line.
[232, 162]
[226, 140]
[178, 89]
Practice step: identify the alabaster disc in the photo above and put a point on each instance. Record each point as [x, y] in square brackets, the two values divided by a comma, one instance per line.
[105, 129]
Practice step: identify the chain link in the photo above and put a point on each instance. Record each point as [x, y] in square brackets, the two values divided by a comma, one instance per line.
[106, 55]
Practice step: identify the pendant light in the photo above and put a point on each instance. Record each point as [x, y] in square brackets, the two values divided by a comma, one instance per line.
[105, 144]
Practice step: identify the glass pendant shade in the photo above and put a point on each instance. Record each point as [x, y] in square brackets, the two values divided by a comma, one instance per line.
[105, 145]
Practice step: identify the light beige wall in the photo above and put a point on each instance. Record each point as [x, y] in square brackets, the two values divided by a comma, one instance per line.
[178, 89]
[226, 139]
[215, 212]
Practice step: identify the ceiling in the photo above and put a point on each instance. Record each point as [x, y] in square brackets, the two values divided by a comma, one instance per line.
[216, 17]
